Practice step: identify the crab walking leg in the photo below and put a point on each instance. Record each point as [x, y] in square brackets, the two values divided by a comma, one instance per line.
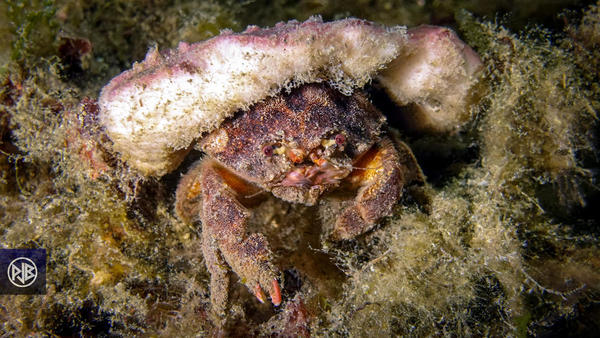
[216, 266]
[225, 219]
[380, 177]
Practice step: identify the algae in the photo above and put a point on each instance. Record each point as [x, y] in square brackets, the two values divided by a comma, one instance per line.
[506, 245]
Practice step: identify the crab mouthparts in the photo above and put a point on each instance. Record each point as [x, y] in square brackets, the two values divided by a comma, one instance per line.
[311, 175]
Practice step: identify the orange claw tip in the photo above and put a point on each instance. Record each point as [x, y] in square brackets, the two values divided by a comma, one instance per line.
[276, 294]
[258, 292]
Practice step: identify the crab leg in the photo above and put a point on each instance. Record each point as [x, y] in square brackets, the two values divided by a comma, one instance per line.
[224, 220]
[216, 266]
[380, 176]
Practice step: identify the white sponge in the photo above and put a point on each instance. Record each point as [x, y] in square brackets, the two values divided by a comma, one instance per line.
[154, 112]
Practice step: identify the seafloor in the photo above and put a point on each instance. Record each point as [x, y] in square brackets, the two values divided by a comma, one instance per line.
[506, 243]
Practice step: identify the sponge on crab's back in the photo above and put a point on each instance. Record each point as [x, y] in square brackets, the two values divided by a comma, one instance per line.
[154, 112]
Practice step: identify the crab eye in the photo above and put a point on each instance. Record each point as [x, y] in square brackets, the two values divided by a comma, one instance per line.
[268, 151]
[340, 139]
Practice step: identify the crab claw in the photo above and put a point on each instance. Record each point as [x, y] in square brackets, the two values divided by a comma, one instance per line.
[276, 293]
[258, 292]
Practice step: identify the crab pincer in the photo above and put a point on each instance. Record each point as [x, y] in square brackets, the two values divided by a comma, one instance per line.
[275, 293]
[213, 194]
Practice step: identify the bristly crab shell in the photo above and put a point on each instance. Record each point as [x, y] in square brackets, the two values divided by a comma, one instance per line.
[156, 111]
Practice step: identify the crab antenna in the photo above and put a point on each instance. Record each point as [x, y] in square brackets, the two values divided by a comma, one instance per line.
[255, 194]
[367, 168]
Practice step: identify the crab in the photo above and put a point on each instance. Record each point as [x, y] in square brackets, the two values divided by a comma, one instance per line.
[298, 146]
[281, 110]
